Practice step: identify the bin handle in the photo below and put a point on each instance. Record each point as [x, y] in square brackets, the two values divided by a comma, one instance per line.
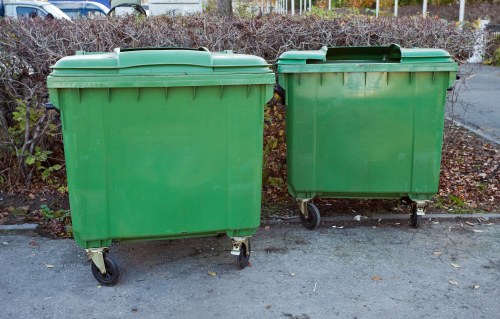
[49, 106]
[162, 49]
[278, 89]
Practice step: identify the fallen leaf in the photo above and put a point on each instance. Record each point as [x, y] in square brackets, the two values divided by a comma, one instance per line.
[376, 278]
[456, 265]
[292, 274]
[357, 217]
[32, 196]
[99, 286]
[212, 273]
[470, 224]
[268, 306]
[49, 266]
[477, 231]
[438, 253]
[475, 287]
[33, 243]
[267, 228]
[453, 282]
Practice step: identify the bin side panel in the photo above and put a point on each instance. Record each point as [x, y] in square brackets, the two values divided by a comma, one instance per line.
[84, 149]
[174, 162]
[430, 99]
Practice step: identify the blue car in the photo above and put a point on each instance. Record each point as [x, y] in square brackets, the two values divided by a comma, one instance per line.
[82, 9]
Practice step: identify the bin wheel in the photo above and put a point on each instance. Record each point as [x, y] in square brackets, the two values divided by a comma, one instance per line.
[312, 222]
[243, 258]
[110, 278]
[414, 218]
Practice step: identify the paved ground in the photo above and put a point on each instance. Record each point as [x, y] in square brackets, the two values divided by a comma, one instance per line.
[390, 271]
[478, 104]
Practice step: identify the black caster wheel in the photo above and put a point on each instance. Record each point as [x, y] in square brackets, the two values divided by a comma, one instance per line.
[243, 258]
[312, 222]
[414, 218]
[110, 278]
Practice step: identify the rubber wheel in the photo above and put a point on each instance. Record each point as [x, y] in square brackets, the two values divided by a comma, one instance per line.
[110, 278]
[414, 218]
[312, 222]
[243, 258]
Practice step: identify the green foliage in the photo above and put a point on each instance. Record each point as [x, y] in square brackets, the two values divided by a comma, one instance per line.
[325, 14]
[39, 160]
[243, 9]
[457, 201]
[210, 6]
[26, 118]
[61, 216]
[496, 56]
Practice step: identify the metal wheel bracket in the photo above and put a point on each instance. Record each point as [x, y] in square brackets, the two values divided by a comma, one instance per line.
[303, 206]
[420, 207]
[237, 242]
[97, 256]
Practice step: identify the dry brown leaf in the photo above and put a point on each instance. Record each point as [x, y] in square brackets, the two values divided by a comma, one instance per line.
[470, 224]
[49, 266]
[437, 253]
[453, 282]
[212, 273]
[376, 278]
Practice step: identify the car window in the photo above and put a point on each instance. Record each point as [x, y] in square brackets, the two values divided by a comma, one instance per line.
[29, 12]
[72, 13]
[92, 14]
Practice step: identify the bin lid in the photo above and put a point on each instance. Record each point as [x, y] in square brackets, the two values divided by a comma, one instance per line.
[366, 55]
[158, 61]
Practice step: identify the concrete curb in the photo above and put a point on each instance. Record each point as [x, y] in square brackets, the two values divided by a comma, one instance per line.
[383, 217]
[474, 130]
[17, 228]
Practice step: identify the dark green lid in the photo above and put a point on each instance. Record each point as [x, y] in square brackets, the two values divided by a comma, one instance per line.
[374, 54]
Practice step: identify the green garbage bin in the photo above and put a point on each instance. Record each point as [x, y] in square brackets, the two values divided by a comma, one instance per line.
[364, 122]
[161, 144]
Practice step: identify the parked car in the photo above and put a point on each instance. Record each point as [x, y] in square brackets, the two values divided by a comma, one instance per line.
[30, 9]
[81, 9]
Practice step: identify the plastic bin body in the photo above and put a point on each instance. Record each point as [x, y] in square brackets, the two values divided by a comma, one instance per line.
[162, 143]
[365, 122]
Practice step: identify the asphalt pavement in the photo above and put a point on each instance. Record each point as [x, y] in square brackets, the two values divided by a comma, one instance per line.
[477, 105]
[446, 269]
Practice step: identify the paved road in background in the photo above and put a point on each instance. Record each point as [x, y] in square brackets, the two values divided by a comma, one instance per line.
[478, 104]
[443, 270]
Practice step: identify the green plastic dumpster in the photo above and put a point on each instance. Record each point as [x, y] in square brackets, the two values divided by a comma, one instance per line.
[161, 144]
[364, 122]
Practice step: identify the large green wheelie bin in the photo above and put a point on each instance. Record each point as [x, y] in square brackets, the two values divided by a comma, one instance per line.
[364, 122]
[161, 144]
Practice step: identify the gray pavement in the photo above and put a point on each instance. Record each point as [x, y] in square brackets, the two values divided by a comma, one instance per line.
[446, 269]
[478, 104]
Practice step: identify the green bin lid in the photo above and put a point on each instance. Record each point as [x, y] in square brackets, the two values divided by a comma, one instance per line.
[158, 61]
[374, 54]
